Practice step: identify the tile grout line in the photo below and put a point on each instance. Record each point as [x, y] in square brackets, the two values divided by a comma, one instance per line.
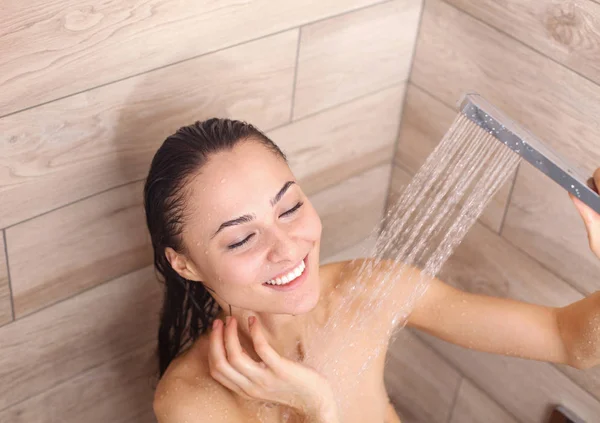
[76, 201]
[87, 289]
[458, 371]
[195, 57]
[79, 374]
[379, 90]
[403, 110]
[295, 81]
[455, 399]
[509, 199]
[521, 42]
[10, 290]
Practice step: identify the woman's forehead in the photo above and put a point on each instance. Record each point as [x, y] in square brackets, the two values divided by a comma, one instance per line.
[237, 182]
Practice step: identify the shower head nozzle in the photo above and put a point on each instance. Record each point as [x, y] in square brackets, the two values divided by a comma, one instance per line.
[492, 120]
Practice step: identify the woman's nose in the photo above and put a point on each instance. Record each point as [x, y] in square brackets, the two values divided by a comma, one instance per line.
[283, 248]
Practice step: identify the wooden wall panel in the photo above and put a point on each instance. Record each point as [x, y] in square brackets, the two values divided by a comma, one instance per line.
[474, 406]
[486, 263]
[348, 56]
[543, 221]
[557, 104]
[77, 247]
[119, 391]
[60, 152]
[329, 147]
[457, 53]
[424, 123]
[527, 389]
[420, 383]
[352, 210]
[566, 31]
[51, 346]
[46, 44]
[361, 249]
[5, 298]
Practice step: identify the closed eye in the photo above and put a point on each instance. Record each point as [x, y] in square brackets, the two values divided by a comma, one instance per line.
[293, 209]
[239, 244]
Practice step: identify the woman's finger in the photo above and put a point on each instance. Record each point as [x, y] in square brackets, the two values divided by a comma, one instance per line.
[267, 354]
[238, 360]
[219, 366]
[591, 219]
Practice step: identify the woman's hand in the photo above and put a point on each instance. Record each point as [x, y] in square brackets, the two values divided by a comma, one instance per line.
[275, 379]
[589, 216]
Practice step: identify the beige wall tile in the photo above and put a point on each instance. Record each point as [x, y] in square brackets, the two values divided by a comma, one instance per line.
[77, 247]
[525, 388]
[457, 53]
[350, 211]
[75, 147]
[327, 148]
[420, 383]
[486, 263]
[355, 54]
[362, 249]
[5, 299]
[46, 44]
[425, 121]
[47, 348]
[543, 221]
[474, 406]
[566, 31]
[118, 391]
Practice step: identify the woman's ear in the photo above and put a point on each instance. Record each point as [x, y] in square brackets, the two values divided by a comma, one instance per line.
[182, 266]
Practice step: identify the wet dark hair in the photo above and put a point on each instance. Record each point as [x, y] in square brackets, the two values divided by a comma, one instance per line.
[188, 308]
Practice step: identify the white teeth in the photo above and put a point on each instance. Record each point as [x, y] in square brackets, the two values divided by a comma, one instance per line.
[290, 276]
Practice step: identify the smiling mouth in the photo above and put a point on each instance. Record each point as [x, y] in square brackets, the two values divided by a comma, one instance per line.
[290, 276]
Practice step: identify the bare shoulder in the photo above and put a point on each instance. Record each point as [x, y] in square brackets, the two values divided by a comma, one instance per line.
[187, 391]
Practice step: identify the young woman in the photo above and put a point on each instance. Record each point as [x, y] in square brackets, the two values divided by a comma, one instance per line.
[237, 244]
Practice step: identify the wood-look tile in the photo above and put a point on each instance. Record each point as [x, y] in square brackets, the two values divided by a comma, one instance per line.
[54, 49]
[75, 147]
[5, 298]
[327, 148]
[543, 221]
[420, 383]
[527, 389]
[60, 342]
[425, 121]
[351, 210]
[566, 31]
[77, 247]
[348, 56]
[486, 263]
[456, 53]
[362, 249]
[118, 391]
[474, 406]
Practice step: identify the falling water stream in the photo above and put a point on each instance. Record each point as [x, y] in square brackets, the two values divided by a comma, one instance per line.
[420, 231]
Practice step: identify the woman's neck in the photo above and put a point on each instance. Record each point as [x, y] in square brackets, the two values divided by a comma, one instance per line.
[286, 334]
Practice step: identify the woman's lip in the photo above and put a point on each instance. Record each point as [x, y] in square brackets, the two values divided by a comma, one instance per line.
[295, 283]
[289, 270]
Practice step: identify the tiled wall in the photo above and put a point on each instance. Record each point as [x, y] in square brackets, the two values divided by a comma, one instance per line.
[539, 61]
[88, 93]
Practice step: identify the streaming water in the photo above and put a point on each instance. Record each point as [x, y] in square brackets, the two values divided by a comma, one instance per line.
[420, 231]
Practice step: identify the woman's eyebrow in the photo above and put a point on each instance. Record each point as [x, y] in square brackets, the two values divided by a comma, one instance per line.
[249, 217]
[281, 192]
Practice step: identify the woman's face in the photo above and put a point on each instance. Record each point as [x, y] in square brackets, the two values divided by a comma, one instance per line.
[249, 222]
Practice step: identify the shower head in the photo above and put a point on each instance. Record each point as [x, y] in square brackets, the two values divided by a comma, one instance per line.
[492, 120]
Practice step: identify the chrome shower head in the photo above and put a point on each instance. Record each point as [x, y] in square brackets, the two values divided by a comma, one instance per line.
[492, 120]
